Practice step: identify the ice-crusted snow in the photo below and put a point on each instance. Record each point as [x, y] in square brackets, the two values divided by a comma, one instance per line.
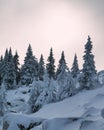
[82, 111]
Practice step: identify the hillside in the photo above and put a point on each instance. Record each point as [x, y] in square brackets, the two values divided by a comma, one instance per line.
[79, 112]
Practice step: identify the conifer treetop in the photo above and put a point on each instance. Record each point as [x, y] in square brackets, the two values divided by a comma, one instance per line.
[88, 45]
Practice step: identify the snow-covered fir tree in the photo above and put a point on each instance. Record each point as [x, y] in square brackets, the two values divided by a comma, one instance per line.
[41, 68]
[17, 69]
[50, 66]
[62, 69]
[48, 95]
[62, 66]
[8, 70]
[75, 68]
[9, 78]
[88, 71]
[52, 90]
[66, 86]
[29, 69]
[43, 92]
[49, 92]
[64, 79]
[37, 88]
[3, 66]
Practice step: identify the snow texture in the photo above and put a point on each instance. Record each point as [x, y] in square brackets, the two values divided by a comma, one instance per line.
[83, 111]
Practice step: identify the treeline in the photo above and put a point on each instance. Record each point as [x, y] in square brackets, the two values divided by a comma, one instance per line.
[46, 82]
[11, 75]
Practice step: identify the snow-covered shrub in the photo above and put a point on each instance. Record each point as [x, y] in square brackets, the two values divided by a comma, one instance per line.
[64, 79]
[14, 121]
[37, 88]
[100, 77]
[48, 94]
[42, 92]
[93, 82]
[67, 86]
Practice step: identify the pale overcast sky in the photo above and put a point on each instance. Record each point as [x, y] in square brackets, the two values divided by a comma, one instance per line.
[61, 24]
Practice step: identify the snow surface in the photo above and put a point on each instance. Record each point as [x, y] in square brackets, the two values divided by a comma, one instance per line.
[18, 99]
[79, 112]
[14, 119]
[74, 106]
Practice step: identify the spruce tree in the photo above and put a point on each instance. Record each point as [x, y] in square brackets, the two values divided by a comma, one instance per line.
[17, 69]
[50, 65]
[29, 69]
[62, 67]
[41, 68]
[5, 61]
[75, 67]
[88, 70]
[9, 75]
[64, 79]
[4, 67]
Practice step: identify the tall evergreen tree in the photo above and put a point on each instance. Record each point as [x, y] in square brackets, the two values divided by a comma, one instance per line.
[9, 79]
[29, 69]
[88, 70]
[50, 65]
[62, 67]
[41, 68]
[75, 67]
[4, 68]
[64, 79]
[17, 69]
[5, 61]
[62, 70]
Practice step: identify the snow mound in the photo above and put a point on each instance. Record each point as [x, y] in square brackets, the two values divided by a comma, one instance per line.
[13, 121]
[61, 124]
[101, 77]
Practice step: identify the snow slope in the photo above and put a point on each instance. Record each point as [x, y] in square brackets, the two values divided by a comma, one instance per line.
[79, 112]
[75, 106]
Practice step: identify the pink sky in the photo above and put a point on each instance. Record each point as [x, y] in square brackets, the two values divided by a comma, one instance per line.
[61, 24]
